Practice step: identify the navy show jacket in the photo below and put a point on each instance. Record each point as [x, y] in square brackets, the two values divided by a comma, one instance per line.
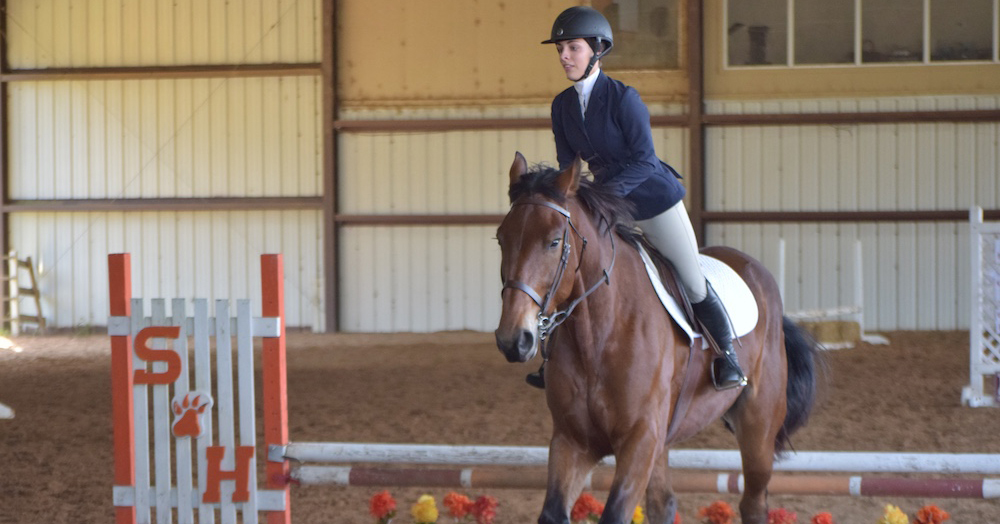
[616, 141]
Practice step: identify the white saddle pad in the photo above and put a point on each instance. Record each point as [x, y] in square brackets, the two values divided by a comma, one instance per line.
[732, 290]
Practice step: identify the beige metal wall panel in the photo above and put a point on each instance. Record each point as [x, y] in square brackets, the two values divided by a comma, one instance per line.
[239, 137]
[865, 167]
[915, 274]
[457, 172]
[419, 279]
[458, 52]
[460, 172]
[109, 33]
[213, 255]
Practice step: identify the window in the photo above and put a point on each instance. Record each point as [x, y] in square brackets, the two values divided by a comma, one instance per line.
[645, 33]
[857, 32]
[824, 31]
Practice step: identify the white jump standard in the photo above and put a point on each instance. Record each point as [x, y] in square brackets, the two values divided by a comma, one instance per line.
[224, 465]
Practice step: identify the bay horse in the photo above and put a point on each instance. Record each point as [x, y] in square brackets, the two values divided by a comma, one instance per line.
[617, 362]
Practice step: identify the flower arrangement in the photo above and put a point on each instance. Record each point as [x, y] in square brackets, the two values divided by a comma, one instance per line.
[485, 509]
[458, 505]
[822, 518]
[425, 510]
[383, 507]
[893, 515]
[781, 516]
[717, 512]
[586, 508]
[637, 516]
[931, 515]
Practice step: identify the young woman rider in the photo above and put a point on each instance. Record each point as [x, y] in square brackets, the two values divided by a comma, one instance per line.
[606, 123]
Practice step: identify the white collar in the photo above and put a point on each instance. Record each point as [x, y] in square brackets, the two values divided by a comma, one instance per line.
[586, 86]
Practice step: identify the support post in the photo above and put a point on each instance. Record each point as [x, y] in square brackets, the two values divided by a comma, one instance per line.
[120, 298]
[275, 384]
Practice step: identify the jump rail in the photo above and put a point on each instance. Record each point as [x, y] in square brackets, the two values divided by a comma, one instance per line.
[688, 482]
[721, 460]
[530, 475]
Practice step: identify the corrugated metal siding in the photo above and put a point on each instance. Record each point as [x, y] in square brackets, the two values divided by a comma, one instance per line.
[212, 255]
[165, 138]
[915, 274]
[244, 137]
[419, 279]
[104, 33]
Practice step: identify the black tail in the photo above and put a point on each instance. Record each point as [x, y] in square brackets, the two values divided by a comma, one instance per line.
[802, 352]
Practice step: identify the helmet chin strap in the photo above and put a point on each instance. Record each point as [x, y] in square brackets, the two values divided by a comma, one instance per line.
[594, 59]
[590, 67]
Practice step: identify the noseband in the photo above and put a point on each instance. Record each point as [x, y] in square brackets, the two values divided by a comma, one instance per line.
[547, 323]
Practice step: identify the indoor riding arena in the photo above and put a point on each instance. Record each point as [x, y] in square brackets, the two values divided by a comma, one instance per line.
[851, 146]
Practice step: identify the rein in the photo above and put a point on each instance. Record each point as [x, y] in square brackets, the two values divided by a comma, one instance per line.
[548, 323]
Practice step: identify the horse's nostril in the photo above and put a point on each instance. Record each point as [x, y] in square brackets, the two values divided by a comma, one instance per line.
[525, 341]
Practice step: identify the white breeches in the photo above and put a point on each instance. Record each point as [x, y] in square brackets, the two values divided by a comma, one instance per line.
[671, 234]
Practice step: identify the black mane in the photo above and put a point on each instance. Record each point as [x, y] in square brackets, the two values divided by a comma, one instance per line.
[602, 204]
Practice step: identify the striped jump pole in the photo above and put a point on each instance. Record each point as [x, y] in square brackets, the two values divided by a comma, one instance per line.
[185, 437]
[499, 462]
[601, 478]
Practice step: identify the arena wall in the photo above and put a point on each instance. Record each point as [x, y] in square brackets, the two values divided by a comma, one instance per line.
[104, 138]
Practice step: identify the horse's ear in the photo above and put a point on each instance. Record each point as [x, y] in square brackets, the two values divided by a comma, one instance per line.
[518, 168]
[569, 180]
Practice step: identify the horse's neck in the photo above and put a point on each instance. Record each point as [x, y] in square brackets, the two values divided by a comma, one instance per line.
[607, 261]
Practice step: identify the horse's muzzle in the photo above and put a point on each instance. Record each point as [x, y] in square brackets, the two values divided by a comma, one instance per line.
[520, 346]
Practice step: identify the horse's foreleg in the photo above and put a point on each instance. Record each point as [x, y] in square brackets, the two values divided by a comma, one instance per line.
[569, 465]
[635, 463]
[661, 503]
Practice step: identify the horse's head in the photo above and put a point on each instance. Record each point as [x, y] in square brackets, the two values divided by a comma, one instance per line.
[536, 239]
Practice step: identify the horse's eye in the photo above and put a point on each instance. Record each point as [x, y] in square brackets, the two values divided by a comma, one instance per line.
[555, 242]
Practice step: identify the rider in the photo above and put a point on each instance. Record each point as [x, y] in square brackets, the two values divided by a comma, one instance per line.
[606, 123]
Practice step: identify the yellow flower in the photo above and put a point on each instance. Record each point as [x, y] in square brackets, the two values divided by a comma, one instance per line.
[893, 515]
[637, 516]
[425, 510]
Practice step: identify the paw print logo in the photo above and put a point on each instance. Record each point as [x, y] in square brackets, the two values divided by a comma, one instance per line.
[188, 411]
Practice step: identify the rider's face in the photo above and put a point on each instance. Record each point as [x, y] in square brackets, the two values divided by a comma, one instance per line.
[574, 55]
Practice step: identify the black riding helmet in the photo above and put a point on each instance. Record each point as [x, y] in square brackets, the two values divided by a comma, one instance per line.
[587, 23]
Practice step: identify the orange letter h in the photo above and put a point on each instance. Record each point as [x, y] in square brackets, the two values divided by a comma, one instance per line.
[215, 475]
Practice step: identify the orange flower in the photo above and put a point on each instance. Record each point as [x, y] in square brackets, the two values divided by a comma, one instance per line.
[485, 509]
[585, 507]
[458, 505]
[382, 506]
[822, 518]
[781, 516]
[717, 512]
[931, 515]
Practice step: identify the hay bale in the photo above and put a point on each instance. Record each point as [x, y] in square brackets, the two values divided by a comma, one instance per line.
[834, 332]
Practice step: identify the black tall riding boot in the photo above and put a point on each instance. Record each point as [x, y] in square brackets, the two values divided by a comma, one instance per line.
[726, 372]
[537, 379]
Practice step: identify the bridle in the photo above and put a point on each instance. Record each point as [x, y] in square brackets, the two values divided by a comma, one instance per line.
[547, 323]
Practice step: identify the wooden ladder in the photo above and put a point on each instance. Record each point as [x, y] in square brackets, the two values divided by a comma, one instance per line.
[15, 292]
